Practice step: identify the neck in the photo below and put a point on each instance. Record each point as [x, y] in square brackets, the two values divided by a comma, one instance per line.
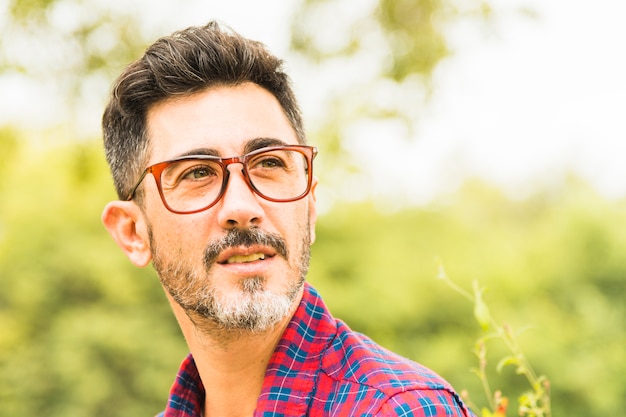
[231, 364]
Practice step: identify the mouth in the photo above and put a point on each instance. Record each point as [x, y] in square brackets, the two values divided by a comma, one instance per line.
[242, 259]
[247, 247]
[244, 255]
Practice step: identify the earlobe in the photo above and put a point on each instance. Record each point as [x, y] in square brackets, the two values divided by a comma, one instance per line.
[125, 223]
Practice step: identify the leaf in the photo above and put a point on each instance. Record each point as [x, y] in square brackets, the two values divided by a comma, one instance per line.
[481, 311]
[509, 360]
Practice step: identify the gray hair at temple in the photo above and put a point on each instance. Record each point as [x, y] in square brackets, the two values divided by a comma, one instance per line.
[179, 65]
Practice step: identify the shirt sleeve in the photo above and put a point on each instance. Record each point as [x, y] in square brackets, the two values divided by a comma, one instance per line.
[424, 403]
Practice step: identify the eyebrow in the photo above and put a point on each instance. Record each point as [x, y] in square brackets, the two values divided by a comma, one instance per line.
[251, 145]
[260, 143]
[199, 151]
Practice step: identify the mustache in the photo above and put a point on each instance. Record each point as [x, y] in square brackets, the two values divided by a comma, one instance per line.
[244, 237]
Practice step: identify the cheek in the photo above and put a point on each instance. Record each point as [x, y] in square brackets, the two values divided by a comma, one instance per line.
[312, 233]
[301, 226]
[178, 235]
[312, 220]
[186, 237]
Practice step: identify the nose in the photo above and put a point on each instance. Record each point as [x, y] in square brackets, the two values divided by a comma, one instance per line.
[239, 206]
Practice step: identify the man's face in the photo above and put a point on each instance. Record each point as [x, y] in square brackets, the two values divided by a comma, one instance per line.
[242, 262]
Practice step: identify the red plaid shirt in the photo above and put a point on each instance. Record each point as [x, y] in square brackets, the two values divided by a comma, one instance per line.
[322, 368]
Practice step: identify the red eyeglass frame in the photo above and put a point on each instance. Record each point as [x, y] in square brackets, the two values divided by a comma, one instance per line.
[309, 152]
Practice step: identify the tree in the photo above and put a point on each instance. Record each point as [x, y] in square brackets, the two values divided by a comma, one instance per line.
[389, 48]
[72, 47]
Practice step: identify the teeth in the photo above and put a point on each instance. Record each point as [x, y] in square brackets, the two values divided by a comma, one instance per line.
[245, 258]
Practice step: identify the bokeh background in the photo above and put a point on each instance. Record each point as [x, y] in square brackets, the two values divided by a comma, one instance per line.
[487, 134]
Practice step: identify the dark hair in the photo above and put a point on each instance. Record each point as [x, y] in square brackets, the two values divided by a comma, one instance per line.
[182, 64]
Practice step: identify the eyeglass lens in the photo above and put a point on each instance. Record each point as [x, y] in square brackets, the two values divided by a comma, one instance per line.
[192, 184]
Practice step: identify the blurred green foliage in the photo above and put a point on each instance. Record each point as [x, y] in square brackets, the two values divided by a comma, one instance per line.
[83, 333]
[86, 333]
[553, 261]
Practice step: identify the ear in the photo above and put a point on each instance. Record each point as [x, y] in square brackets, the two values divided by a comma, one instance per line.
[313, 208]
[125, 222]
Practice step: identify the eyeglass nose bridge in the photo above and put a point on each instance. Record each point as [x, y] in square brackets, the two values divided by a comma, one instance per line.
[230, 161]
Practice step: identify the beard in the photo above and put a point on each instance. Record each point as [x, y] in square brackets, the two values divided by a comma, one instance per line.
[252, 307]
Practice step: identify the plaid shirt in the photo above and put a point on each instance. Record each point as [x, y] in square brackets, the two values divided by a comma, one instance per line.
[322, 368]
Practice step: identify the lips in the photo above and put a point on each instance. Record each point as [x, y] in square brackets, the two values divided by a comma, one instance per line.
[241, 255]
[245, 246]
[242, 259]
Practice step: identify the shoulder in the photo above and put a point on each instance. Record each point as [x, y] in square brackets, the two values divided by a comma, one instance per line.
[421, 402]
[393, 385]
[354, 356]
[356, 376]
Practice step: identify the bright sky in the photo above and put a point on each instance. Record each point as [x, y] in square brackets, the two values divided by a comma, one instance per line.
[546, 96]
[521, 106]
[517, 106]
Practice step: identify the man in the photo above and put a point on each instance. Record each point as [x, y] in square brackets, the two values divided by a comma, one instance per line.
[206, 145]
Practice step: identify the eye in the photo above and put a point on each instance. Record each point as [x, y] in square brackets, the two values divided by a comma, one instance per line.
[199, 172]
[270, 162]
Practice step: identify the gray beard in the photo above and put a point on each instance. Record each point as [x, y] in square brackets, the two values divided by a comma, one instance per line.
[253, 308]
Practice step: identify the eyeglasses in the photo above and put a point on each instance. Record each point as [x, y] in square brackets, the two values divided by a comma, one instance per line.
[194, 183]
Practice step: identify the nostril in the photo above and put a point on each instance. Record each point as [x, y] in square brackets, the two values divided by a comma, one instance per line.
[234, 223]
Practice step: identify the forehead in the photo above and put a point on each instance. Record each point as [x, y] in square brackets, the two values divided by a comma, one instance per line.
[223, 119]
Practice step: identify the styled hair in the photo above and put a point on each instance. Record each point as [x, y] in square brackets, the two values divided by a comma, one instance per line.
[179, 65]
